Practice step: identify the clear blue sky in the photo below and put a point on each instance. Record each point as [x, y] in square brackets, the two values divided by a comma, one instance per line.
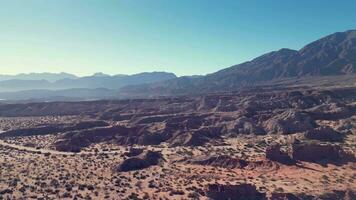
[181, 36]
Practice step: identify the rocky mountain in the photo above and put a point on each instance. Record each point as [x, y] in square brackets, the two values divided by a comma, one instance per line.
[51, 77]
[332, 55]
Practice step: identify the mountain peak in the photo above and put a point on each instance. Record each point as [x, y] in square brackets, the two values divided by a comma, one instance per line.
[100, 74]
[286, 50]
[334, 40]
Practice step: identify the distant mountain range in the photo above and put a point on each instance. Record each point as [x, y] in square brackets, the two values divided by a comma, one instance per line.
[333, 55]
[98, 80]
[51, 77]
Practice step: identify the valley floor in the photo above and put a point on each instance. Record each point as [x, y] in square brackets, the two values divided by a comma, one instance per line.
[33, 173]
[277, 145]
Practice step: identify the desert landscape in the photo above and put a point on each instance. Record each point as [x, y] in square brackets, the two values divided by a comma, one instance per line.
[286, 143]
[177, 100]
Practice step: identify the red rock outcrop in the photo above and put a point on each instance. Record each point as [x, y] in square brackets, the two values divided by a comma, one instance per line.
[275, 153]
[313, 152]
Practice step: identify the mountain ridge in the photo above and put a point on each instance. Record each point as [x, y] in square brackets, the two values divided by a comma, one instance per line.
[89, 82]
[331, 55]
[51, 77]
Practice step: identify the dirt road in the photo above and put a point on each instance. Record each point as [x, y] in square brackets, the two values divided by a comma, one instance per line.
[35, 150]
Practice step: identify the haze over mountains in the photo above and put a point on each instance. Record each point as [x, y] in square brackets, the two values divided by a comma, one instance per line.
[332, 55]
[51, 77]
[98, 80]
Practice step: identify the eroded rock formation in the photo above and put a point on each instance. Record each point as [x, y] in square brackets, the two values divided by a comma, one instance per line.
[324, 134]
[142, 161]
[223, 161]
[314, 152]
[290, 121]
[275, 153]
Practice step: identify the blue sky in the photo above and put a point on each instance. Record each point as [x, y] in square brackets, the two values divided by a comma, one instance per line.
[181, 36]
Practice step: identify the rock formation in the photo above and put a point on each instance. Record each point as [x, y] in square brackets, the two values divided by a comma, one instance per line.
[314, 152]
[142, 161]
[223, 161]
[332, 111]
[275, 153]
[324, 134]
[288, 122]
[244, 125]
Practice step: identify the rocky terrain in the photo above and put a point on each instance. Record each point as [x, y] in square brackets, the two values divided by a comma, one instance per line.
[270, 143]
